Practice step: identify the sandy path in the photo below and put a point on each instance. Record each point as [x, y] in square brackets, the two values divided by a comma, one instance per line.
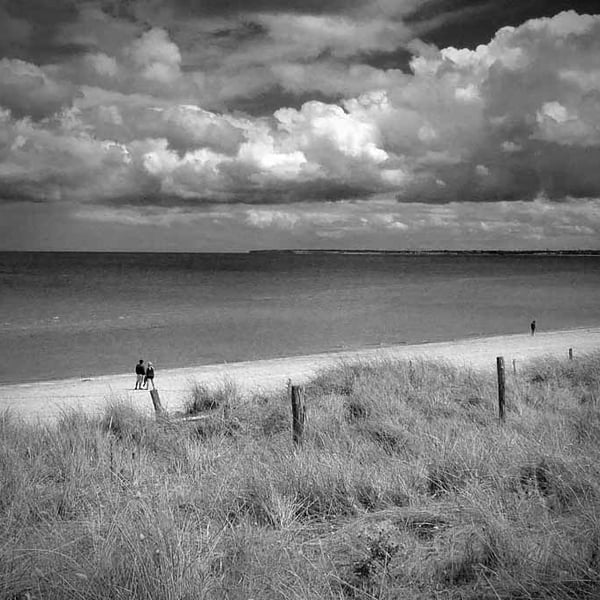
[45, 400]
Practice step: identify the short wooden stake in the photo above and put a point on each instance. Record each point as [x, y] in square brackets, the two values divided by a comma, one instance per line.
[570, 353]
[501, 386]
[514, 366]
[298, 413]
[411, 373]
[158, 409]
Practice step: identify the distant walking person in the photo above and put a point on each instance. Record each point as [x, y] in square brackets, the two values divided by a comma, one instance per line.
[149, 376]
[140, 372]
[532, 327]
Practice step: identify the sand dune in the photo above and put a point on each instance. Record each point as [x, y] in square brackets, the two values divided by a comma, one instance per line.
[46, 400]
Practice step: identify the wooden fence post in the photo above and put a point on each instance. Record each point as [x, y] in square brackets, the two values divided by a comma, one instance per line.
[411, 372]
[570, 353]
[158, 409]
[298, 413]
[501, 385]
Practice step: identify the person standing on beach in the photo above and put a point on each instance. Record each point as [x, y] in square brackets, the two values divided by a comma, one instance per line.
[533, 327]
[140, 371]
[149, 376]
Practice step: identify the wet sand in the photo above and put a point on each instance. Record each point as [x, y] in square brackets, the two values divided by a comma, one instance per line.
[46, 400]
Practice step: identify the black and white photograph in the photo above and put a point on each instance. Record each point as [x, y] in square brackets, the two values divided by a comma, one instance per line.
[299, 300]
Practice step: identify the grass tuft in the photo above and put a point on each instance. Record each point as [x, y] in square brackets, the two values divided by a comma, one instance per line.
[203, 399]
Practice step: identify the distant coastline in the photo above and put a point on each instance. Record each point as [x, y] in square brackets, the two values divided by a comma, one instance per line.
[436, 252]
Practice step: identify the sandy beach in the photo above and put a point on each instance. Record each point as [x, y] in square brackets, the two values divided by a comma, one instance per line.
[45, 400]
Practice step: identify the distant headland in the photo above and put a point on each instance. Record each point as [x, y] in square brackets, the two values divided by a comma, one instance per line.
[436, 252]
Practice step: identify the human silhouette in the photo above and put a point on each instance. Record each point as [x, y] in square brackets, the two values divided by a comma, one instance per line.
[149, 376]
[533, 327]
[140, 372]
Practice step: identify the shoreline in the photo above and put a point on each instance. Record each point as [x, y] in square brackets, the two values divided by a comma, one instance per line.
[350, 349]
[367, 347]
[45, 400]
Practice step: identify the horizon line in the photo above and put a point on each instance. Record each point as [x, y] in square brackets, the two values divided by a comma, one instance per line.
[320, 250]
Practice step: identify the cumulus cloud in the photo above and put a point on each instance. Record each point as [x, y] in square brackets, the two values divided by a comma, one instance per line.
[579, 128]
[58, 162]
[156, 55]
[102, 65]
[145, 114]
[521, 116]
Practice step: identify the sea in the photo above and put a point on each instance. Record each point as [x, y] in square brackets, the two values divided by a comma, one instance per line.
[84, 315]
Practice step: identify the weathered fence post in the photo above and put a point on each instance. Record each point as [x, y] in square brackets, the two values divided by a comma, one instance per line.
[298, 413]
[158, 409]
[501, 385]
[570, 353]
[411, 372]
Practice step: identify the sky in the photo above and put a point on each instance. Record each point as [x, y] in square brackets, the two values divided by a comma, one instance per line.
[231, 125]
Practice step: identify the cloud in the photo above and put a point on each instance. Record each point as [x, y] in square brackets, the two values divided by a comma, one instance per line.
[15, 33]
[27, 90]
[309, 35]
[521, 114]
[93, 30]
[330, 220]
[269, 218]
[156, 55]
[141, 114]
[41, 164]
[102, 65]
[212, 8]
[581, 128]
[331, 78]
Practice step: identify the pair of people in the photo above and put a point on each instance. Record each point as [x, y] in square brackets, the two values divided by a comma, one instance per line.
[144, 376]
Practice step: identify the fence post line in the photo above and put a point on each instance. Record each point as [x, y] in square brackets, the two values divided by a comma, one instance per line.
[298, 413]
[501, 386]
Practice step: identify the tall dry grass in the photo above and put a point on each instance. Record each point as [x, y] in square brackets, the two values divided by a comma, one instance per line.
[406, 486]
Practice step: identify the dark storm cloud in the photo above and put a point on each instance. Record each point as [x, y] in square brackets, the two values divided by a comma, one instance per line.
[30, 29]
[232, 7]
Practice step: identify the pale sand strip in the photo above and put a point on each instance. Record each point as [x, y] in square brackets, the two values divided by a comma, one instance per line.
[45, 400]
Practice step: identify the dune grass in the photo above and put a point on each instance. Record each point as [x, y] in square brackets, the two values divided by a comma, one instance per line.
[406, 486]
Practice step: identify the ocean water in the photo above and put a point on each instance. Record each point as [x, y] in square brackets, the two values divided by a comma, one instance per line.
[89, 314]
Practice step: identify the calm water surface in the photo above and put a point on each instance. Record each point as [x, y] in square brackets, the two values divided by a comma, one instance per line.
[79, 314]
